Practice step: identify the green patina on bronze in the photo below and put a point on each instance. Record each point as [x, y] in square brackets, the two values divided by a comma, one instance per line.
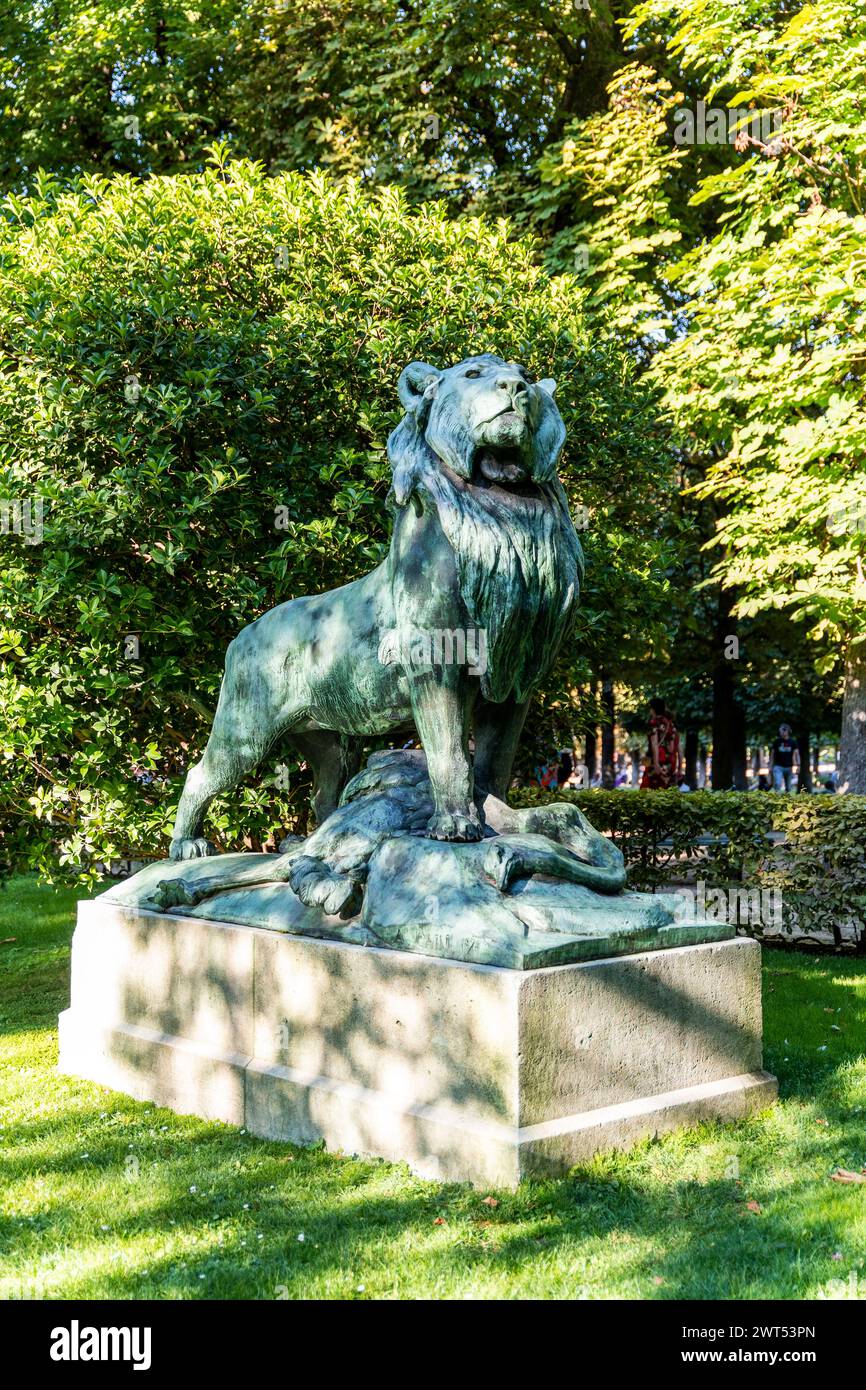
[448, 636]
[482, 543]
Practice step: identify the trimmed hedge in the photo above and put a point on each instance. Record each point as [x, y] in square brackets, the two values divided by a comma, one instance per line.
[808, 848]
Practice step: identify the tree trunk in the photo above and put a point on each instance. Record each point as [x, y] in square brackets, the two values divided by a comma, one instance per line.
[589, 753]
[804, 773]
[691, 758]
[723, 703]
[729, 725]
[729, 739]
[852, 751]
[635, 767]
[608, 778]
[702, 765]
[738, 748]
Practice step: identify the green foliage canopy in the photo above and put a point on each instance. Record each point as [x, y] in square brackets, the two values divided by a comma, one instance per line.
[769, 372]
[451, 98]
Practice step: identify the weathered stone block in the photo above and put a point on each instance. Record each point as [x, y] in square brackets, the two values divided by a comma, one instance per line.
[465, 1071]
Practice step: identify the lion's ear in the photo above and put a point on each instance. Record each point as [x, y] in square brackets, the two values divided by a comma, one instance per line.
[415, 380]
[548, 385]
[549, 438]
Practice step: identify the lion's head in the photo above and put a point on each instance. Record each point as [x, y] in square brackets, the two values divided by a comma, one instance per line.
[485, 418]
[479, 444]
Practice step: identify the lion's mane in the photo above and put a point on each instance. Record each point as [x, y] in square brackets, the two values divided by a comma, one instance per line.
[519, 560]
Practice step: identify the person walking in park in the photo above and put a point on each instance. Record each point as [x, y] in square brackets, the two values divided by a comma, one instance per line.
[662, 763]
[784, 759]
[547, 775]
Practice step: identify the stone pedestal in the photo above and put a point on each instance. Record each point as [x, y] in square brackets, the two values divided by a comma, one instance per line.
[466, 1072]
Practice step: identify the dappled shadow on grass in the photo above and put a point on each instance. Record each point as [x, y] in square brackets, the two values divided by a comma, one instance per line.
[703, 1241]
[27, 1001]
[666, 1222]
[634, 1226]
[814, 1022]
[193, 1182]
[37, 923]
[727, 1253]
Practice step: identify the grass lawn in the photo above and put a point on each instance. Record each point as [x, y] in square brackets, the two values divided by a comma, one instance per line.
[105, 1197]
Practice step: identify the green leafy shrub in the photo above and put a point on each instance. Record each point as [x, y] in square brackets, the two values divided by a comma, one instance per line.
[809, 848]
[197, 377]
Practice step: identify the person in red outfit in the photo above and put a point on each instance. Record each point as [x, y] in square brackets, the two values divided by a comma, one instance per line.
[662, 763]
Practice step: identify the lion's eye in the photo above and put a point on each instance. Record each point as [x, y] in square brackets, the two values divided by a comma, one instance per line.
[472, 372]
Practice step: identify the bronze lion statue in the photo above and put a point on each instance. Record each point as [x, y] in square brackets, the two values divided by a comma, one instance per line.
[451, 633]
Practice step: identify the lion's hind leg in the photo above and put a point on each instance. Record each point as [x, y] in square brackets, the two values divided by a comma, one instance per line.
[497, 734]
[333, 760]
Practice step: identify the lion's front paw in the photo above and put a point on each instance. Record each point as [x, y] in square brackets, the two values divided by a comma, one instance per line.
[454, 825]
[174, 892]
[190, 849]
[317, 885]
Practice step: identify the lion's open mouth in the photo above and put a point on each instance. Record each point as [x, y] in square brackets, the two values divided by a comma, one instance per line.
[503, 467]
